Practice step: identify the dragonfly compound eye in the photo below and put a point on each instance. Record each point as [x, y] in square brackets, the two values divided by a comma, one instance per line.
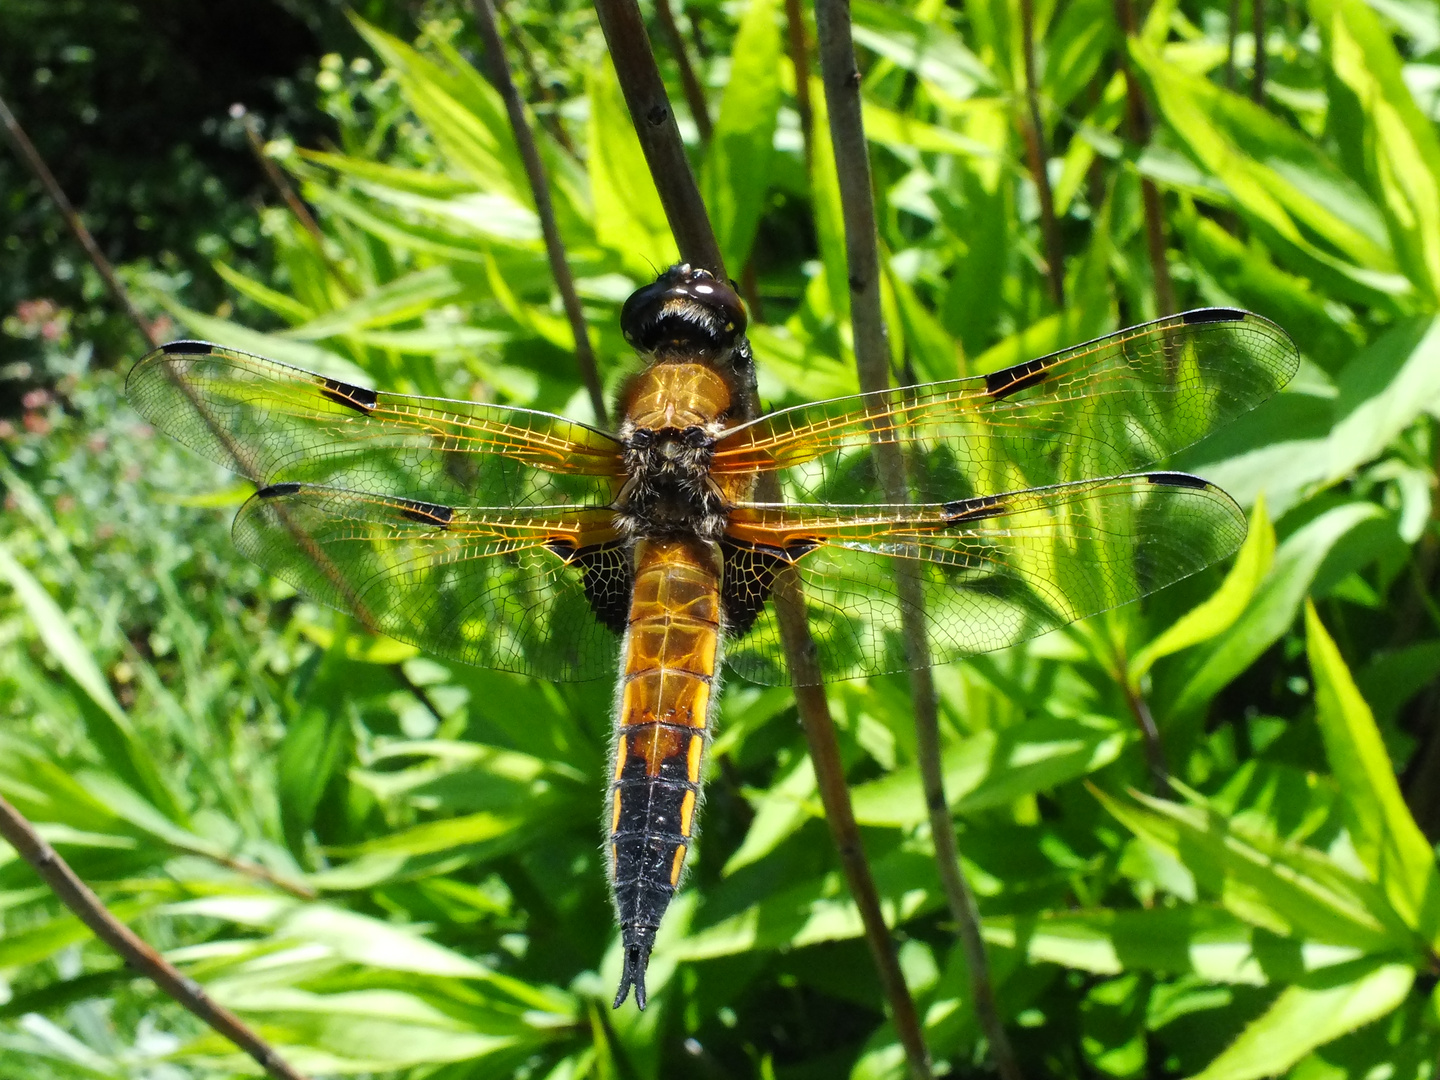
[684, 309]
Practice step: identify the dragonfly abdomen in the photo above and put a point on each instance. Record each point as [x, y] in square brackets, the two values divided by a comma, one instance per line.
[672, 646]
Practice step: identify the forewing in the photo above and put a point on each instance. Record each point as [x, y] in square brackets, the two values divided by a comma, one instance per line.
[993, 570]
[532, 592]
[1108, 407]
[275, 423]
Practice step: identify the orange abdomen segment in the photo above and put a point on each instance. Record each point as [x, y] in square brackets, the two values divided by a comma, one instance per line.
[671, 650]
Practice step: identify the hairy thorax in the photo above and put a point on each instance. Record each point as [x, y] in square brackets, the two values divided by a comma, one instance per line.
[674, 412]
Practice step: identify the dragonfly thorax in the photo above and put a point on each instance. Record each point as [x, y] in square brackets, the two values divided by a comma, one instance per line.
[669, 491]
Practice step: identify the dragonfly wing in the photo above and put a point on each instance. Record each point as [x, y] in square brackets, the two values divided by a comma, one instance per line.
[993, 570]
[1108, 407]
[271, 423]
[541, 592]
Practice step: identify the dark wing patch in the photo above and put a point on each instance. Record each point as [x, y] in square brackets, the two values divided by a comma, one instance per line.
[352, 397]
[1212, 314]
[1001, 384]
[607, 573]
[274, 423]
[1178, 479]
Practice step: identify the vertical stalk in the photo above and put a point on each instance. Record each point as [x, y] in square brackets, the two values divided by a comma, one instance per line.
[544, 207]
[555, 127]
[847, 133]
[800, 60]
[685, 210]
[1137, 124]
[1038, 156]
[1257, 85]
[659, 137]
[26, 149]
[287, 194]
[689, 82]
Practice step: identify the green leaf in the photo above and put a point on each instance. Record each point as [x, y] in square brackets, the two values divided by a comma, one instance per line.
[1274, 605]
[1279, 180]
[460, 110]
[1198, 939]
[1402, 150]
[995, 768]
[106, 721]
[1218, 613]
[1382, 391]
[396, 301]
[1310, 1015]
[1278, 886]
[736, 177]
[1385, 834]
[287, 307]
[779, 813]
[629, 218]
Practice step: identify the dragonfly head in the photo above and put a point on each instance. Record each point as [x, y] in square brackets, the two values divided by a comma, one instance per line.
[687, 312]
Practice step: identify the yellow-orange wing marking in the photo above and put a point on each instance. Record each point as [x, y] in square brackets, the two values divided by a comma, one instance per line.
[539, 591]
[274, 423]
[994, 569]
[1107, 407]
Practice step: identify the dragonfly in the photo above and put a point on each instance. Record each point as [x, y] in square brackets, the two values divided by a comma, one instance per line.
[658, 553]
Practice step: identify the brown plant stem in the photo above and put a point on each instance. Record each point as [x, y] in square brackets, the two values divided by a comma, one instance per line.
[689, 81]
[1037, 155]
[77, 896]
[1154, 748]
[1137, 122]
[544, 207]
[554, 125]
[800, 60]
[53, 870]
[1257, 84]
[26, 149]
[288, 195]
[685, 210]
[659, 137]
[841, 80]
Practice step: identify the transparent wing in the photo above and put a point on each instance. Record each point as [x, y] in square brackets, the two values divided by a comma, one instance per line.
[1111, 406]
[994, 570]
[275, 423]
[539, 592]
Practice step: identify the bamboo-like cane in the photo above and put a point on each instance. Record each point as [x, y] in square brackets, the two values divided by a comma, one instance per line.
[544, 206]
[1137, 122]
[847, 133]
[685, 210]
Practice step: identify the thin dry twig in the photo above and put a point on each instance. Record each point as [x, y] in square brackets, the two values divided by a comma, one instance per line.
[1257, 83]
[685, 210]
[77, 896]
[53, 870]
[1137, 122]
[544, 206]
[689, 81]
[1038, 156]
[843, 105]
[288, 195]
[800, 60]
[26, 149]
[549, 119]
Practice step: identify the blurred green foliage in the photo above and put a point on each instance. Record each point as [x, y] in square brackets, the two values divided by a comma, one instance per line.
[391, 866]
